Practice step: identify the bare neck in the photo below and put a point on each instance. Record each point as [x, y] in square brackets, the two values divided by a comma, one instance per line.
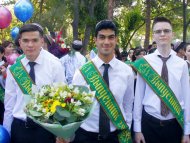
[164, 51]
[106, 59]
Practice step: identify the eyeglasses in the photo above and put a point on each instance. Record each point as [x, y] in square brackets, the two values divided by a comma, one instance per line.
[166, 31]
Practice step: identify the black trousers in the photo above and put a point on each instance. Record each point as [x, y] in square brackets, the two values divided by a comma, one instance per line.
[2, 109]
[29, 132]
[83, 136]
[157, 131]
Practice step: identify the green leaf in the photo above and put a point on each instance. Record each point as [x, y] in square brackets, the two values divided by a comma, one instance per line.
[35, 113]
[62, 112]
[82, 88]
[57, 117]
[71, 119]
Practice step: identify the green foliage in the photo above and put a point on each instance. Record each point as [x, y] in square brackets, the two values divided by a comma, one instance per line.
[128, 21]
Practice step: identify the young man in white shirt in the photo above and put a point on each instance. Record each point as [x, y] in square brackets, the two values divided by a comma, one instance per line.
[152, 124]
[120, 85]
[121, 81]
[46, 69]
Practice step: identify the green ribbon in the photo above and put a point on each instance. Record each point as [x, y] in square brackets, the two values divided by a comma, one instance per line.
[106, 100]
[161, 89]
[22, 77]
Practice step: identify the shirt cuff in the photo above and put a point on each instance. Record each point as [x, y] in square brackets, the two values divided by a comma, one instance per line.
[186, 129]
[137, 127]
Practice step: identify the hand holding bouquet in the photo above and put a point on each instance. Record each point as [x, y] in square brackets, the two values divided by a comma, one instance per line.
[60, 108]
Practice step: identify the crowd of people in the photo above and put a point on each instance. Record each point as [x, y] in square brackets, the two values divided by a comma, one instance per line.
[148, 89]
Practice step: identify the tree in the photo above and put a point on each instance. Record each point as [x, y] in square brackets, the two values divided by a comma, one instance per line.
[111, 6]
[129, 23]
[75, 22]
[148, 22]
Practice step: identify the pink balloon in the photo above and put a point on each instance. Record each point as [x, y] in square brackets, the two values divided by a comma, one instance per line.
[12, 58]
[5, 17]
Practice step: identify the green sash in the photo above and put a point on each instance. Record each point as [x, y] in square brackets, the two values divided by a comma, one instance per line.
[22, 77]
[95, 50]
[20, 57]
[106, 100]
[161, 89]
[2, 94]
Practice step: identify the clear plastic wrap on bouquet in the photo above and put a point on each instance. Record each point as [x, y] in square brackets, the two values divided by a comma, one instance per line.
[60, 108]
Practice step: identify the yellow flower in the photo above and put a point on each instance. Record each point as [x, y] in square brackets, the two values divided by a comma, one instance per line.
[63, 104]
[53, 107]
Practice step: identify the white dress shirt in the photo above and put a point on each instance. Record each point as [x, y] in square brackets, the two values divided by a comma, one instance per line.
[47, 70]
[121, 84]
[92, 54]
[70, 63]
[178, 82]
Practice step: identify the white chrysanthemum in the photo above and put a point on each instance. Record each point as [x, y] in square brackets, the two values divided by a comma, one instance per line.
[47, 115]
[76, 90]
[84, 93]
[43, 110]
[35, 105]
[81, 111]
[78, 103]
[41, 93]
[63, 94]
[39, 107]
[52, 94]
[88, 99]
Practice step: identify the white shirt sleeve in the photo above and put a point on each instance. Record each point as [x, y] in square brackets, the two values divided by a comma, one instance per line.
[185, 92]
[9, 102]
[129, 99]
[139, 95]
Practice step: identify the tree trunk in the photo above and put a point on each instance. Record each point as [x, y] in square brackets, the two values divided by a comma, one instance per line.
[88, 26]
[147, 21]
[75, 20]
[184, 20]
[111, 6]
[41, 8]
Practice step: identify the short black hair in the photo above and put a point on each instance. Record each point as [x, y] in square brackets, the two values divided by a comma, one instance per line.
[31, 28]
[160, 19]
[105, 24]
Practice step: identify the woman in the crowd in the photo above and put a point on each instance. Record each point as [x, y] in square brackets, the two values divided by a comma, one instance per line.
[8, 46]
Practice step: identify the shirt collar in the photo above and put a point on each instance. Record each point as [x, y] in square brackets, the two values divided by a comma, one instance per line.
[172, 52]
[99, 62]
[38, 60]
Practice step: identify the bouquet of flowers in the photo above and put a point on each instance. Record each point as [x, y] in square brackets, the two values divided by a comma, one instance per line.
[60, 108]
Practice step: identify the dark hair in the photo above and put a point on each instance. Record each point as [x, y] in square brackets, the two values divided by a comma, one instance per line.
[137, 52]
[124, 54]
[152, 50]
[2, 50]
[6, 43]
[48, 39]
[16, 41]
[31, 28]
[105, 24]
[117, 53]
[161, 19]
